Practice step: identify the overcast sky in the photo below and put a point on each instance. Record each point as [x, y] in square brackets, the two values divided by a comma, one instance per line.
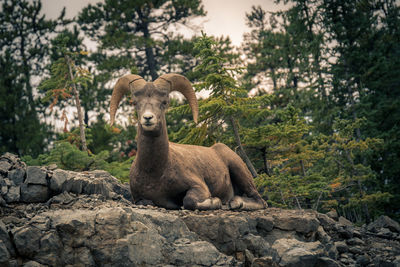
[224, 17]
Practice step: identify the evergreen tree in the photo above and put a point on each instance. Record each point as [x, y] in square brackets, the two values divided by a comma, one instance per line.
[66, 80]
[24, 35]
[140, 31]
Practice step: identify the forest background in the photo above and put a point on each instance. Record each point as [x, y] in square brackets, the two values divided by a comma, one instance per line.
[310, 99]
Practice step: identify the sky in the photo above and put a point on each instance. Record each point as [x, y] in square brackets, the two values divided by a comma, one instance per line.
[224, 17]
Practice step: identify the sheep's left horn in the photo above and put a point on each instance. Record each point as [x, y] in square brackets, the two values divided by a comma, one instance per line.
[121, 88]
[177, 82]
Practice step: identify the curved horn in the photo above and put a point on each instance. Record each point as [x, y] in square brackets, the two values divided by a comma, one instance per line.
[122, 87]
[177, 82]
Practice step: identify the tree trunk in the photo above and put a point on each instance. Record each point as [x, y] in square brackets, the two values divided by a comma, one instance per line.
[264, 156]
[78, 104]
[241, 150]
[151, 62]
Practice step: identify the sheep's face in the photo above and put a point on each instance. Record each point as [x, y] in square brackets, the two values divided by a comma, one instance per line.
[151, 103]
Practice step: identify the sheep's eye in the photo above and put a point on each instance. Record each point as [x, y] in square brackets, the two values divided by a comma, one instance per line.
[164, 103]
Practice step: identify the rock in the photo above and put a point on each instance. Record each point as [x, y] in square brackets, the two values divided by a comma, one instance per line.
[322, 235]
[333, 215]
[27, 241]
[35, 175]
[17, 176]
[4, 254]
[196, 253]
[264, 262]
[4, 167]
[345, 232]
[33, 193]
[384, 222]
[3, 203]
[355, 241]
[296, 253]
[13, 194]
[297, 222]
[257, 245]
[265, 224]
[63, 198]
[5, 238]
[342, 220]
[88, 221]
[58, 179]
[363, 260]
[325, 220]
[326, 262]
[355, 250]
[341, 246]
[33, 264]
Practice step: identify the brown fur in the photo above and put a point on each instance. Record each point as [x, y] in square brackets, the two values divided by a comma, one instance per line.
[173, 175]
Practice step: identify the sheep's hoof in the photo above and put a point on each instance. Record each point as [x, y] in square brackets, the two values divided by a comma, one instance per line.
[235, 203]
[210, 204]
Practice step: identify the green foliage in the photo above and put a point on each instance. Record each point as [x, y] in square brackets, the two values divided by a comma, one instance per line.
[24, 46]
[141, 32]
[67, 156]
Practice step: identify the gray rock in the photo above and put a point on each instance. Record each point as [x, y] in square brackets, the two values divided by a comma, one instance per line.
[296, 253]
[257, 245]
[363, 260]
[356, 250]
[384, 222]
[345, 232]
[341, 246]
[35, 175]
[13, 194]
[333, 215]
[169, 226]
[196, 253]
[27, 241]
[331, 250]
[63, 198]
[264, 262]
[322, 235]
[5, 238]
[4, 167]
[326, 262]
[33, 264]
[139, 248]
[265, 224]
[355, 241]
[342, 220]
[4, 189]
[33, 193]
[7, 182]
[4, 254]
[17, 176]
[297, 222]
[58, 179]
[3, 203]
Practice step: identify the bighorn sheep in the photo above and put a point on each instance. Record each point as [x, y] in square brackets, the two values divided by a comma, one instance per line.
[170, 174]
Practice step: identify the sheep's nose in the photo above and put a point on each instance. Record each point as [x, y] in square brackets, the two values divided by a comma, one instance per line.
[147, 117]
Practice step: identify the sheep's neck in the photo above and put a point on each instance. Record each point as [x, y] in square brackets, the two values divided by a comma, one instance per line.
[152, 153]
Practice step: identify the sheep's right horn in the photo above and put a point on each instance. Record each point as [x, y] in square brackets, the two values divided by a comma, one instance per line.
[177, 82]
[122, 87]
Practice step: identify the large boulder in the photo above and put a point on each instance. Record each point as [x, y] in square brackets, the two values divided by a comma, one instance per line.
[52, 217]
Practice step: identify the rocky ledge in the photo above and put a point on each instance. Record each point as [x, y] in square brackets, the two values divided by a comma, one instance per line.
[51, 217]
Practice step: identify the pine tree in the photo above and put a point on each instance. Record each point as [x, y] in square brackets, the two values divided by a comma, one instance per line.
[140, 31]
[66, 81]
[24, 39]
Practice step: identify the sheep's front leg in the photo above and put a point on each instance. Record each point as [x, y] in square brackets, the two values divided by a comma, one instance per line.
[200, 198]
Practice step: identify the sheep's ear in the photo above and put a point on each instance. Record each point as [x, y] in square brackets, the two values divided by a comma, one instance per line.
[177, 82]
[122, 87]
